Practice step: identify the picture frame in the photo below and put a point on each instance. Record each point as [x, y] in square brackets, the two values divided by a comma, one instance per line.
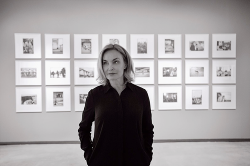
[81, 93]
[58, 99]
[28, 45]
[169, 71]
[57, 46]
[170, 97]
[28, 99]
[120, 39]
[169, 46]
[224, 97]
[28, 72]
[57, 72]
[151, 94]
[196, 71]
[142, 45]
[224, 45]
[85, 72]
[144, 71]
[196, 45]
[224, 71]
[197, 97]
[86, 46]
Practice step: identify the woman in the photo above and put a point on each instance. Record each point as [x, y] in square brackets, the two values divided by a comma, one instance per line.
[121, 111]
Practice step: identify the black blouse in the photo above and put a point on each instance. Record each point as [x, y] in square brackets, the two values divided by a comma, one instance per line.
[123, 127]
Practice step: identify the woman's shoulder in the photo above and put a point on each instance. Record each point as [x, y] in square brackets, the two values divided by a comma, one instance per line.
[136, 88]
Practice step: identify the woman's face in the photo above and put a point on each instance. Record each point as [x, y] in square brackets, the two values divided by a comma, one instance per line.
[113, 65]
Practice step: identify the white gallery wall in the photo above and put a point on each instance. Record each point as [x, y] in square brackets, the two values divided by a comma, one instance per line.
[125, 17]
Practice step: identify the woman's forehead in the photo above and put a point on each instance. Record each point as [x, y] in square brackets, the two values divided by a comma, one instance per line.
[112, 54]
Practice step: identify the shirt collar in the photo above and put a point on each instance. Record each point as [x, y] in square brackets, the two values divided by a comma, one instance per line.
[107, 87]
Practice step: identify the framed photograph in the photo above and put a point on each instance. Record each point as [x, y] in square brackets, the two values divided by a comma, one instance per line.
[28, 99]
[58, 99]
[224, 71]
[27, 45]
[81, 94]
[57, 46]
[86, 46]
[224, 97]
[142, 45]
[28, 72]
[151, 93]
[144, 71]
[57, 72]
[224, 45]
[197, 71]
[169, 71]
[196, 45]
[85, 72]
[169, 46]
[170, 97]
[120, 39]
[197, 97]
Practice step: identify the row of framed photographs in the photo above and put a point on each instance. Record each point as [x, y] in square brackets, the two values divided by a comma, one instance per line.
[28, 45]
[57, 72]
[58, 99]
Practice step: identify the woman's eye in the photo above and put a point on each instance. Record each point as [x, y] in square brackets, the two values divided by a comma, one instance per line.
[104, 63]
[116, 61]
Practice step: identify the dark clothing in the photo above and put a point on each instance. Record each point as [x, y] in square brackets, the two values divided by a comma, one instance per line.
[123, 127]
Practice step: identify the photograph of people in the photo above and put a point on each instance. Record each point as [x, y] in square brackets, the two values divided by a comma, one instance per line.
[123, 134]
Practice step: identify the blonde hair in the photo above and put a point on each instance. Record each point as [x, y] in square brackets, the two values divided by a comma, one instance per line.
[128, 72]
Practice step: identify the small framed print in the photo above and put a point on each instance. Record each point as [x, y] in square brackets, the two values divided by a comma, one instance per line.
[169, 71]
[27, 45]
[86, 46]
[170, 97]
[169, 46]
[57, 72]
[224, 45]
[144, 71]
[28, 72]
[57, 46]
[224, 71]
[224, 97]
[85, 72]
[196, 45]
[120, 39]
[81, 94]
[58, 99]
[28, 99]
[196, 71]
[151, 93]
[197, 97]
[142, 45]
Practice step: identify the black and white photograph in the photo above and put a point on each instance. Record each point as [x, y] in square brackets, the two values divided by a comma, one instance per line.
[58, 72]
[142, 46]
[82, 98]
[223, 45]
[28, 99]
[223, 96]
[57, 46]
[86, 46]
[223, 71]
[196, 45]
[114, 41]
[142, 72]
[169, 97]
[169, 71]
[28, 46]
[196, 97]
[58, 98]
[28, 72]
[86, 72]
[197, 72]
[169, 46]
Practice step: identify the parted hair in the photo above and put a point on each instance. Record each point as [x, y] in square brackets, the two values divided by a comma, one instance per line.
[128, 72]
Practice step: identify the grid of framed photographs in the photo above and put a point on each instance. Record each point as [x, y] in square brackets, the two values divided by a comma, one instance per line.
[170, 69]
